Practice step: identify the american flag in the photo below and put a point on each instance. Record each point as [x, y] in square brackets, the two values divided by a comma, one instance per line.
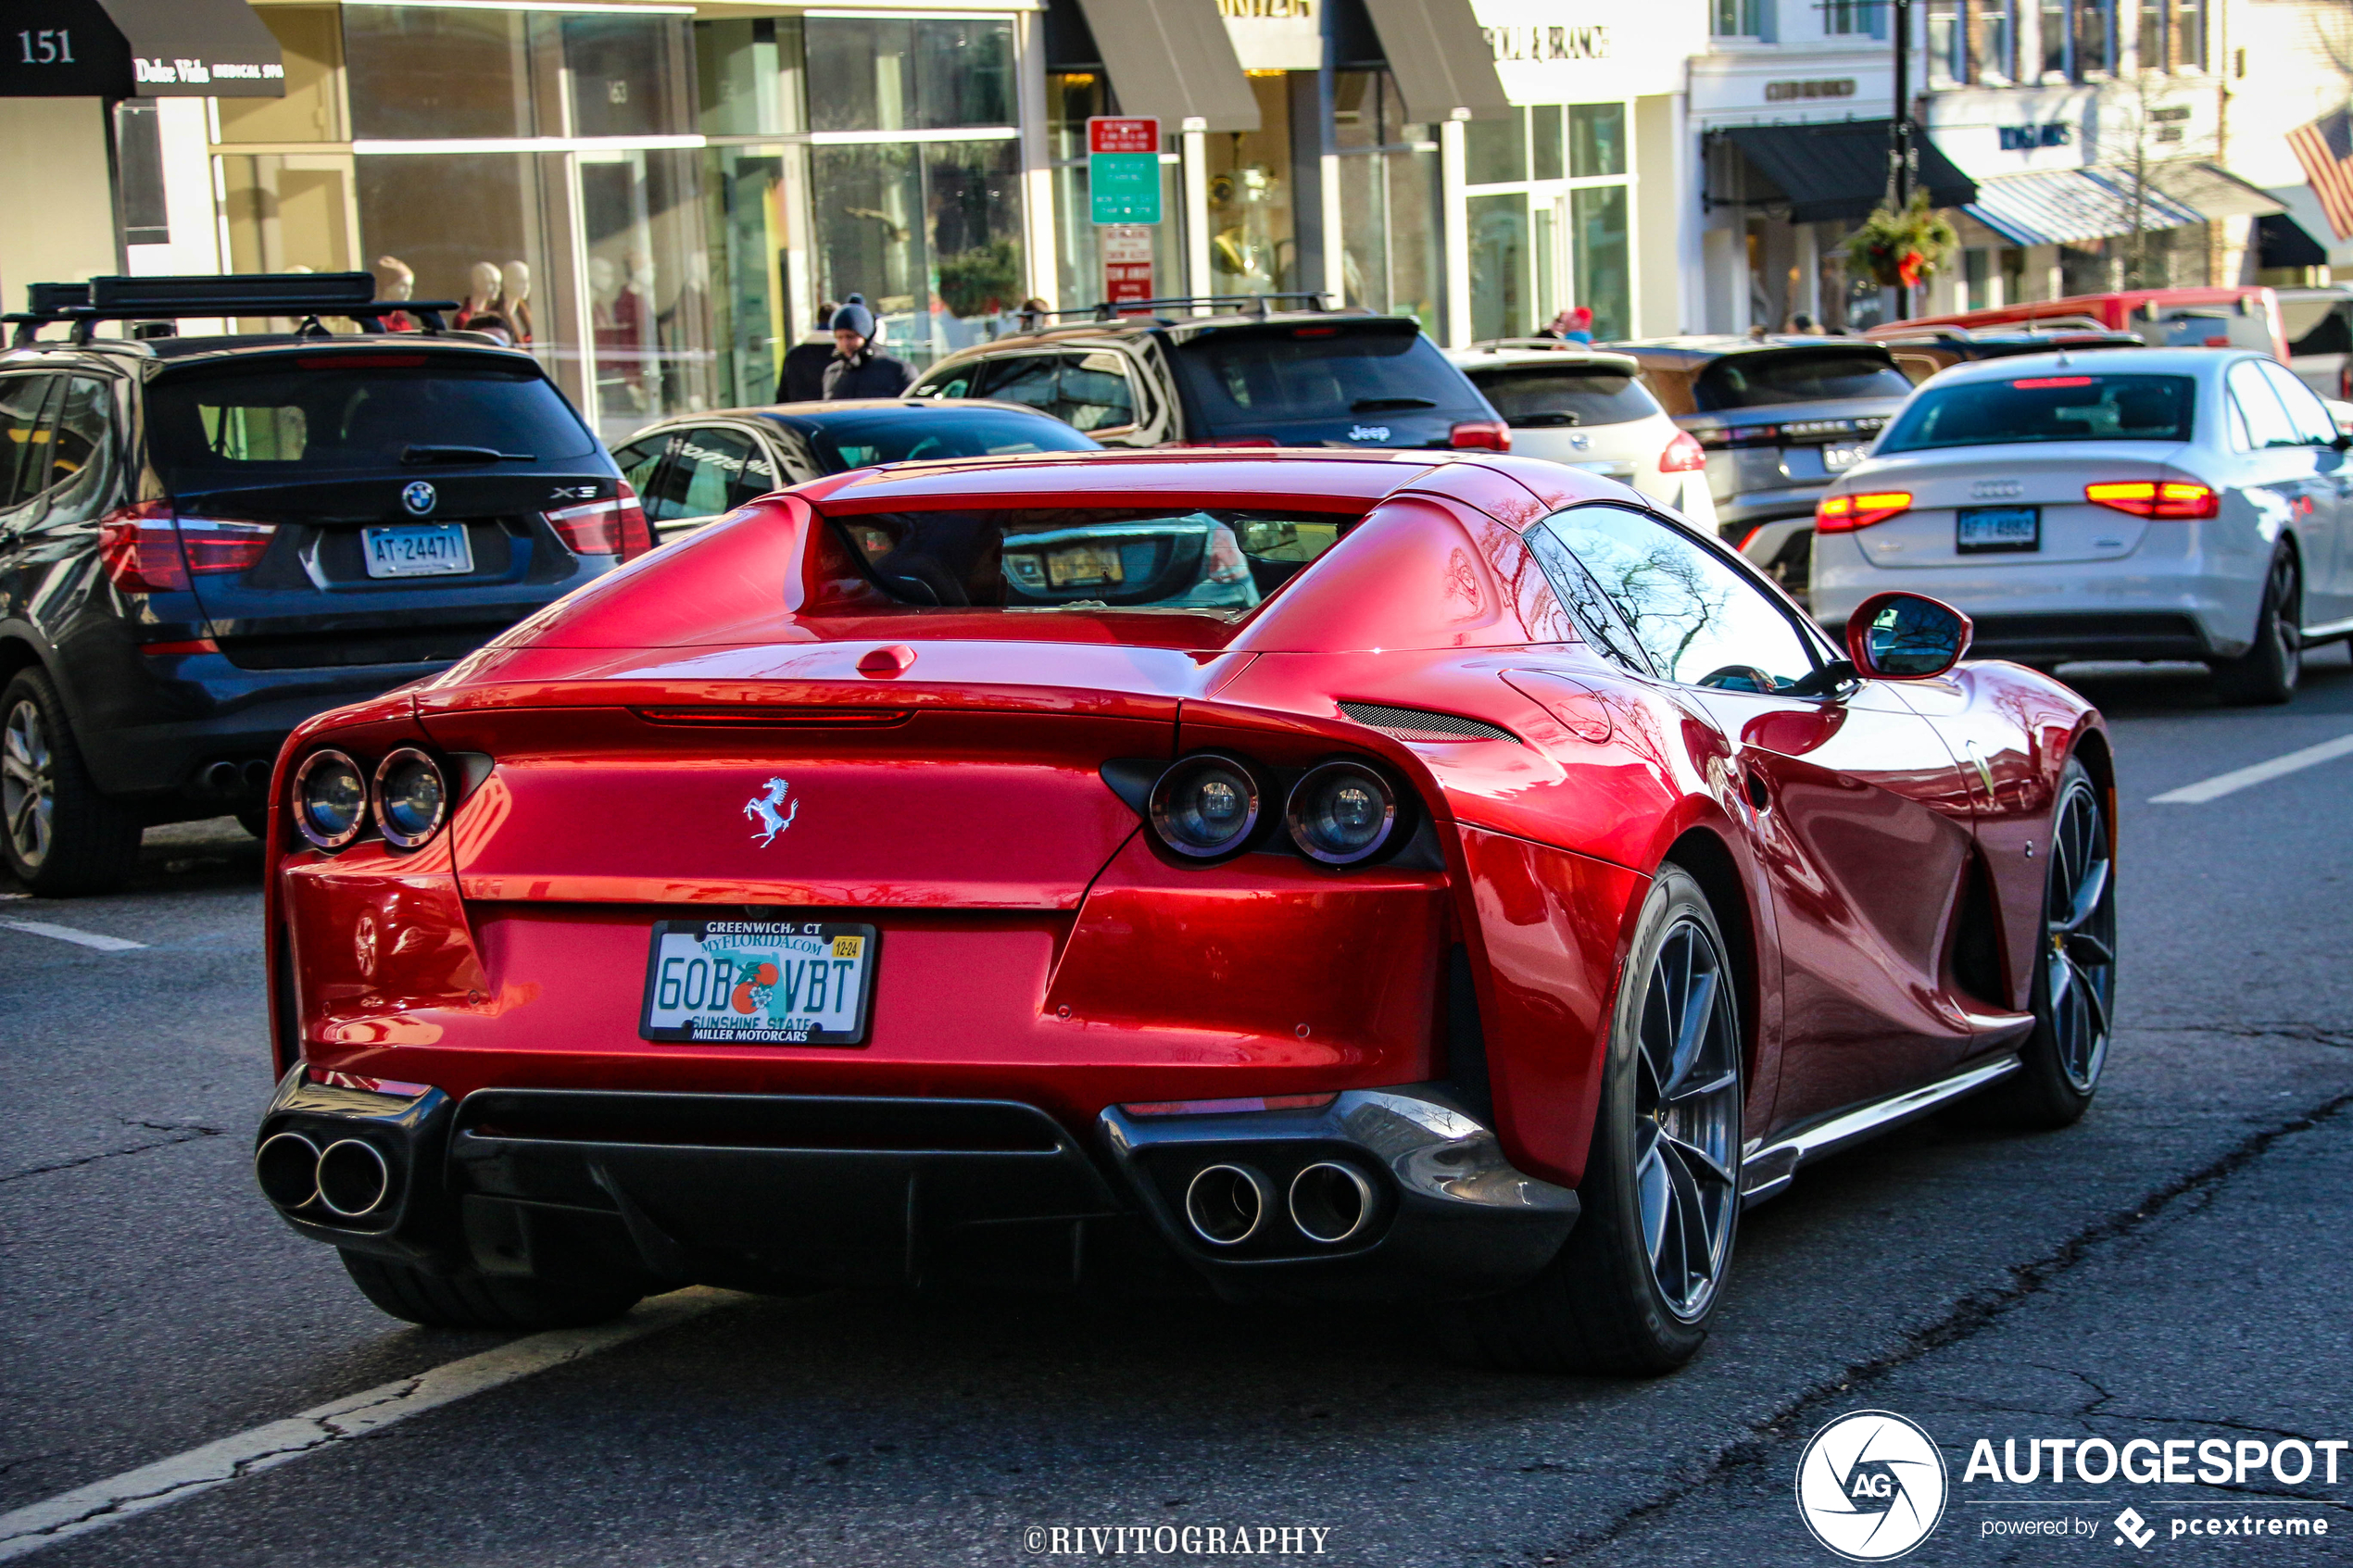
[2325, 149]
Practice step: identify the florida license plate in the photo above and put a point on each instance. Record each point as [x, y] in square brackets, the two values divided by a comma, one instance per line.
[417, 550]
[759, 983]
[1083, 565]
[1982, 530]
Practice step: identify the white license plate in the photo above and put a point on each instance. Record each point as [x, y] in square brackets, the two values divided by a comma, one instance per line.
[417, 550]
[759, 983]
[1995, 530]
[1837, 457]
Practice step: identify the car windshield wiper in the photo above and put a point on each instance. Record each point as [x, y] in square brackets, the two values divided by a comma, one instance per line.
[415, 454]
[1383, 404]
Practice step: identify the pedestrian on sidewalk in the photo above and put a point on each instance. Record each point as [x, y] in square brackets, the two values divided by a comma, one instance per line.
[803, 380]
[859, 369]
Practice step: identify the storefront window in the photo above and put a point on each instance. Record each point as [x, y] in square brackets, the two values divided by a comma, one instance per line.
[311, 41]
[1253, 247]
[893, 74]
[628, 76]
[1071, 97]
[1559, 239]
[1392, 236]
[2053, 16]
[1499, 263]
[930, 234]
[1947, 44]
[1993, 45]
[1597, 140]
[420, 71]
[1495, 151]
[2189, 35]
[744, 189]
[282, 211]
[1600, 263]
[648, 285]
[2090, 41]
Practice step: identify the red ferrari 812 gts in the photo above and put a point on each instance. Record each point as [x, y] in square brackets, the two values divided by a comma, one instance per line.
[1414, 877]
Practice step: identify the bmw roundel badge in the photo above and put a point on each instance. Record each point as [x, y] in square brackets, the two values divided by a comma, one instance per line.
[419, 497]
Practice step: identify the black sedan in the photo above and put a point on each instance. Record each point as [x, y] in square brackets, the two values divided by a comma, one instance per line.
[692, 469]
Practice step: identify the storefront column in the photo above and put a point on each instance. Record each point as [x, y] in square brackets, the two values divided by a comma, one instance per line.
[1037, 158]
[1196, 278]
[1450, 171]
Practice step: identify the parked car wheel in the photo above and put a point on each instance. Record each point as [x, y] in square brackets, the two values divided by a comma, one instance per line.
[2268, 672]
[480, 1301]
[60, 834]
[2075, 973]
[1632, 1290]
[255, 820]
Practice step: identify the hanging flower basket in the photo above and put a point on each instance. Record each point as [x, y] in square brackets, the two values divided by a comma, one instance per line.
[1901, 248]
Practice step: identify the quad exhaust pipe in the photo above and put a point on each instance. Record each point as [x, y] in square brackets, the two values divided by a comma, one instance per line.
[349, 1178]
[1329, 1202]
[1227, 1204]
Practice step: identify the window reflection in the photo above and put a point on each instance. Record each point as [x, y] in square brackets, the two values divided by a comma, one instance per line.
[1697, 620]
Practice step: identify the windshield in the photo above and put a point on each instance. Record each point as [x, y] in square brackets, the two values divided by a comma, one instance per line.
[1801, 375]
[911, 435]
[1245, 379]
[2052, 407]
[1087, 558]
[1531, 397]
[263, 420]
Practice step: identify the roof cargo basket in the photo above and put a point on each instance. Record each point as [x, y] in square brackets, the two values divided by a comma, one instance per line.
[306, 295]
[1110, 309]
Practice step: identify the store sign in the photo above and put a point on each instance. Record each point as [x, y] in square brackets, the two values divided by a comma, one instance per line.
[1275, 35]
[1123, 168]
[1798, 91]
[1128, 263]
[2026, 138]
[1588, 51]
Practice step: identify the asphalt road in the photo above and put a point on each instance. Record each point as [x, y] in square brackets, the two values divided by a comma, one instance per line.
[2175, 1267]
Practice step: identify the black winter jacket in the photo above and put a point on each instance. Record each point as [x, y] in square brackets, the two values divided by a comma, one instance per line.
[869, 375]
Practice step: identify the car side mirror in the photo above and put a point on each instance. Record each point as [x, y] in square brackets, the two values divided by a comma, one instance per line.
[2342, 442]
[1900, 637]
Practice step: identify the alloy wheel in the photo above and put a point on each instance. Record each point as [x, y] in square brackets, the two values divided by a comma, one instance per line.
[1687, 1104]
[28, 783]
[2286, 627]
[2079, 923]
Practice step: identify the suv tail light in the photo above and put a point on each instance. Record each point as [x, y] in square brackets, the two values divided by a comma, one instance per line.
[616, 527]
[1683, 454]
[2149, 498]
[1480, 435]
[1843, 514]
[140, 550]
[223, 544]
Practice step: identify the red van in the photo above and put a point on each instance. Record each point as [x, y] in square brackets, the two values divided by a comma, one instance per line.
[2210, 317]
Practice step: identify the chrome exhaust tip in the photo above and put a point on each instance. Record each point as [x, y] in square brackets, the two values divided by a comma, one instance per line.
[220, 778]
[1226, 1204]
[352, 1178]
[1330, 1202]
[287, 1167]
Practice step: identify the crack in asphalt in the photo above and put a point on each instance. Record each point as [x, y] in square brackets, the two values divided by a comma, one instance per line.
[1967, 1317]
[179, 1132]
[2309, 1034]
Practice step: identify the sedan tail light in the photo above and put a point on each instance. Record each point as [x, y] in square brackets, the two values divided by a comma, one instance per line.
[2149, 497]
[1843, 514]
[1683, 454]
[1480, 435]
[615, 527]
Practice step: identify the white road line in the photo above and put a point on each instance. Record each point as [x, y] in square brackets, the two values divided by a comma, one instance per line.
[265, 1448]
[2238, 779]
[67, 934]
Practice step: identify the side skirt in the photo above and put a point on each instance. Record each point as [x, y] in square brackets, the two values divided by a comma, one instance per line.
[1768, 1168]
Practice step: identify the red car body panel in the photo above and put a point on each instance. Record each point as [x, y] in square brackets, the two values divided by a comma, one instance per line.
[1036, 944]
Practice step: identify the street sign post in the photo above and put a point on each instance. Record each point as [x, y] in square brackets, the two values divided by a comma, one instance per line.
[1123, 168]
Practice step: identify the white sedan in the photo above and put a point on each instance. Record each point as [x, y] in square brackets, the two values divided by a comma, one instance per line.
[1574, 404]
[2156, 503]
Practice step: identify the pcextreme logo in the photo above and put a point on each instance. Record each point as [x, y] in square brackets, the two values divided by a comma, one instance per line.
[1872, 1485]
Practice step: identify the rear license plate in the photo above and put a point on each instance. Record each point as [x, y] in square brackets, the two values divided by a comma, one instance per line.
[1083, 564]
[1836, 459]
[418, 549]
[759, 983]
[1984, 531]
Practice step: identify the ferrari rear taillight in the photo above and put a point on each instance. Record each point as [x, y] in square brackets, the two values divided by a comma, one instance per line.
[1683, 454]
[1843, 514]
[1480, 435]
[1341, 813]
[140, 550]
[2155, 498]
[614, 527]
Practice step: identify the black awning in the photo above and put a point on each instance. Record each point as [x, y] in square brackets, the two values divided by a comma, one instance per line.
[1445, 66]
[2281, 242]
[1838, 170]
[1172, 59]
[139, 49]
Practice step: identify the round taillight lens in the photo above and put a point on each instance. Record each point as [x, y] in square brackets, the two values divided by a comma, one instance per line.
[1341, 813]
[411, 797]
[1205, 806]
[330, 799]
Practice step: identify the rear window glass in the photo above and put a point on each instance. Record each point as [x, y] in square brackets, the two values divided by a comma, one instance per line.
[912, 434]
[1749, 381]
[2211, 329]
[1088, 557]
[2318, 326]
[2051, 408]
[353, 411]
[1243, 378]
[1534, 397]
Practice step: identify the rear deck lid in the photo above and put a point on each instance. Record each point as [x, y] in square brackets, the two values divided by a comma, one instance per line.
[1370, 382]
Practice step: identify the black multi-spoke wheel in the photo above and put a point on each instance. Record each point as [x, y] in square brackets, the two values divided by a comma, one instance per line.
[2075, 964]
[57, 834]
[1635, 1287]
[2269, 669]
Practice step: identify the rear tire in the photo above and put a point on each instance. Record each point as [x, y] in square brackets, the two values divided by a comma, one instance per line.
[255, 820]
[479, 1301]
[1632, 1291]
[59, 835]
[2266, 674]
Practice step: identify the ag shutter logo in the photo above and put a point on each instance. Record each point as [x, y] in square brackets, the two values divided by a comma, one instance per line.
[419, 497]
[2130, 1526]
[1872, 1485]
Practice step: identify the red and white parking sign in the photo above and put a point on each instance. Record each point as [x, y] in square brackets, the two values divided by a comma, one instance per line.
[1117, 133]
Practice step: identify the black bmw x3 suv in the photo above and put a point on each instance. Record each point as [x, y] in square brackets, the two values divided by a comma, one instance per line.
[204, 541]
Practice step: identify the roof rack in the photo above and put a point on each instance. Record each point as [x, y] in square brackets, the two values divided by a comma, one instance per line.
[306, 295]
[1111, 309]
[1549, 344]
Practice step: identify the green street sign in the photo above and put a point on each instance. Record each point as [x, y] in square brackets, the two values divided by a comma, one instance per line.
[1124, 187]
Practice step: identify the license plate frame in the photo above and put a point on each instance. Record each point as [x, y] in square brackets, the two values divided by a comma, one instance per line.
[382, 550]
[1838, 458]
[1085, 566]
[747, 946]
[1978, 530]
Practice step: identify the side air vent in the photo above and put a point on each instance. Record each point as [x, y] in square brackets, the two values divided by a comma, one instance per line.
[1414, 724]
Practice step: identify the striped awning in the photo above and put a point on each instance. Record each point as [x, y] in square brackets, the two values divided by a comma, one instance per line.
[2064, 204]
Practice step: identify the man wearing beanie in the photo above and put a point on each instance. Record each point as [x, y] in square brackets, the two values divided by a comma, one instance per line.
[856, 368]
